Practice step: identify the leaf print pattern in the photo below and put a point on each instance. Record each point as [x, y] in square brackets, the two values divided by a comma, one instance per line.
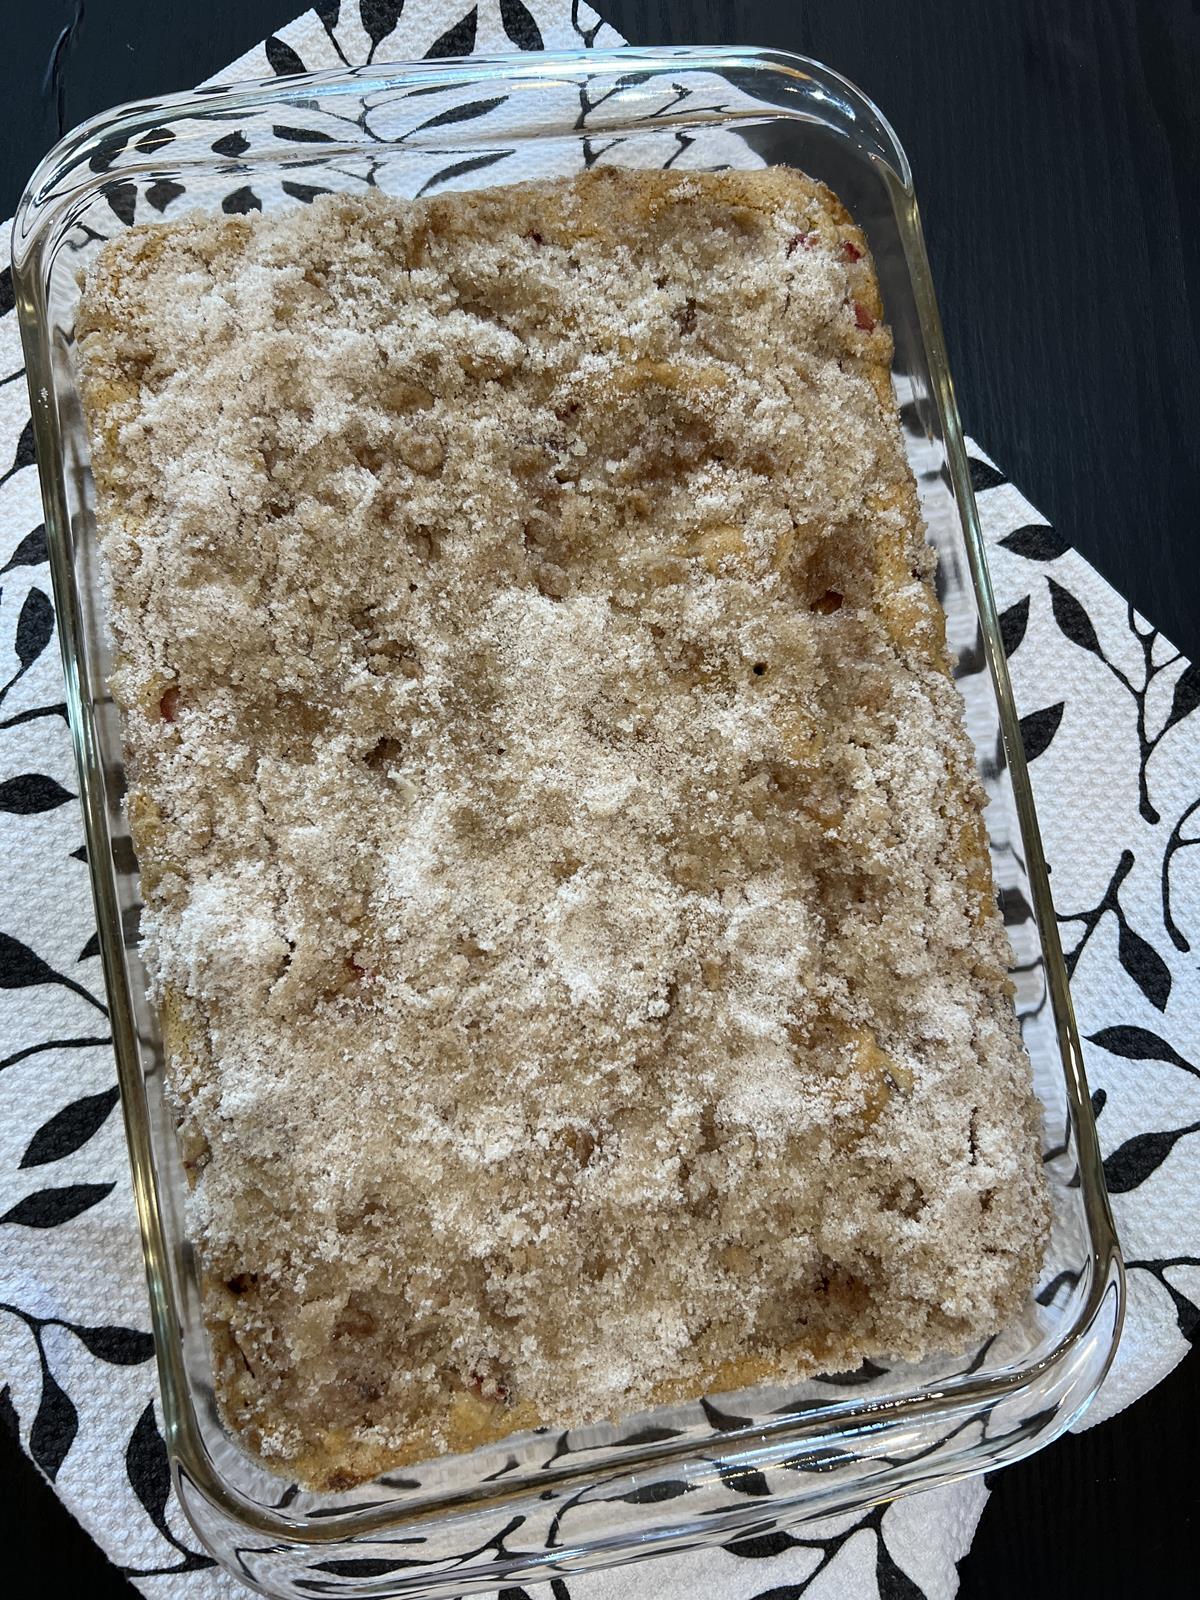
[984, 476]
[31, 792]
[240, 202]
[1138, 1158]
[1038, 728]
[1139, 1044]
[30, 552]
[231, 144]
[122, 197]
[24, 454]
[35, 627]
[1035, 544]
[301, 135]
[282, 58]
[1013, 623]
[69, 1128]
[1074, 621]
[51, 1208]
[1145, 966]
[54, 1426]
[162, 192]
[458, 40]
[519, 25]
[379, 18]
[1057, 625]
[119, 1347]
[21, 968]
[1186, 697]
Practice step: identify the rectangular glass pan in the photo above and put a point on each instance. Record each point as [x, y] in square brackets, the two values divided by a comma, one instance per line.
[551, 1502]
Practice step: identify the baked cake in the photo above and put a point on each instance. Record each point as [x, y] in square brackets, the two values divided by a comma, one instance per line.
[565, 885]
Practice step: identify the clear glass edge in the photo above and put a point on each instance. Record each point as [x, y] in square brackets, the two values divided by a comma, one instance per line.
[32, 229]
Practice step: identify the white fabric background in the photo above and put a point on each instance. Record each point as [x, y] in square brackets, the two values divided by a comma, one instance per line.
[1104, 698]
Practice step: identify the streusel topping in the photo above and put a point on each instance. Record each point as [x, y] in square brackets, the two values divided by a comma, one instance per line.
[564, 874]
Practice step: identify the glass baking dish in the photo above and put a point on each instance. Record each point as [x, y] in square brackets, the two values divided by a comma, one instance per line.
[550, 1502]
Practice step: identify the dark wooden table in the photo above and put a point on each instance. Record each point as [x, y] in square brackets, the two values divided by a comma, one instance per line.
[1056, 146]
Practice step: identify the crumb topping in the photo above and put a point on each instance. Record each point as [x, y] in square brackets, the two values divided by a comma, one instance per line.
[565, 883]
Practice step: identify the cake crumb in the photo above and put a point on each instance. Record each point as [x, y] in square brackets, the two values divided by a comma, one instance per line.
[565, 883]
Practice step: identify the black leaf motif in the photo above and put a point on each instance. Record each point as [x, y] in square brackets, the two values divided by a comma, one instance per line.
[1062, 1280]
[9, 1420]
[473, 108]
[20, 968]
[31, 551]
[817, 1458]
[972, 659]
[365, 1566]
[1132, 1162]
[1012, 625]
[8, 298]
[862, 1374]
[983, 476]
[50, 1208]
[24, 456]
[154, 140]
[1187, 1316]
[520, 26]
[1036, 543]
[241, 201]
[35, 626]
[120, 1347]
[80, 854]
[148, 1470]
[1072, 619]
[1038, 728]
[743, 1480]
[54, 1427]
[651, 1493]
[893, 1582]
[161, 193]
[1014, 908]
[31, 792]
[760, 1547]
[1137, 1044]
[458, 40]
[305, 192]
[1099, 1101]
[108, 147]
[301, 135]
[1187, 694]
[281, 58]
[122, 201]
[379, 17]
[231, 144]
[721, 1421]
[457, 168]
[91, 948]
[650, 1436]
[1145, 966]
[69, 1128]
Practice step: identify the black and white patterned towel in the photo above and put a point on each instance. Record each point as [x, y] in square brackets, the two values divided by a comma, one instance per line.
[1112, 731]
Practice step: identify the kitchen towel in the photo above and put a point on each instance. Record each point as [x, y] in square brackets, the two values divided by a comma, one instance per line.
[1112, 730]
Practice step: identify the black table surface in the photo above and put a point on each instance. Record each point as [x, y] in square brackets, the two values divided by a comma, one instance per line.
[1056, 147]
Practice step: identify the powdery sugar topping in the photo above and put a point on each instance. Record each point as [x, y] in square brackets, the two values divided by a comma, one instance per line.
[565, 882]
